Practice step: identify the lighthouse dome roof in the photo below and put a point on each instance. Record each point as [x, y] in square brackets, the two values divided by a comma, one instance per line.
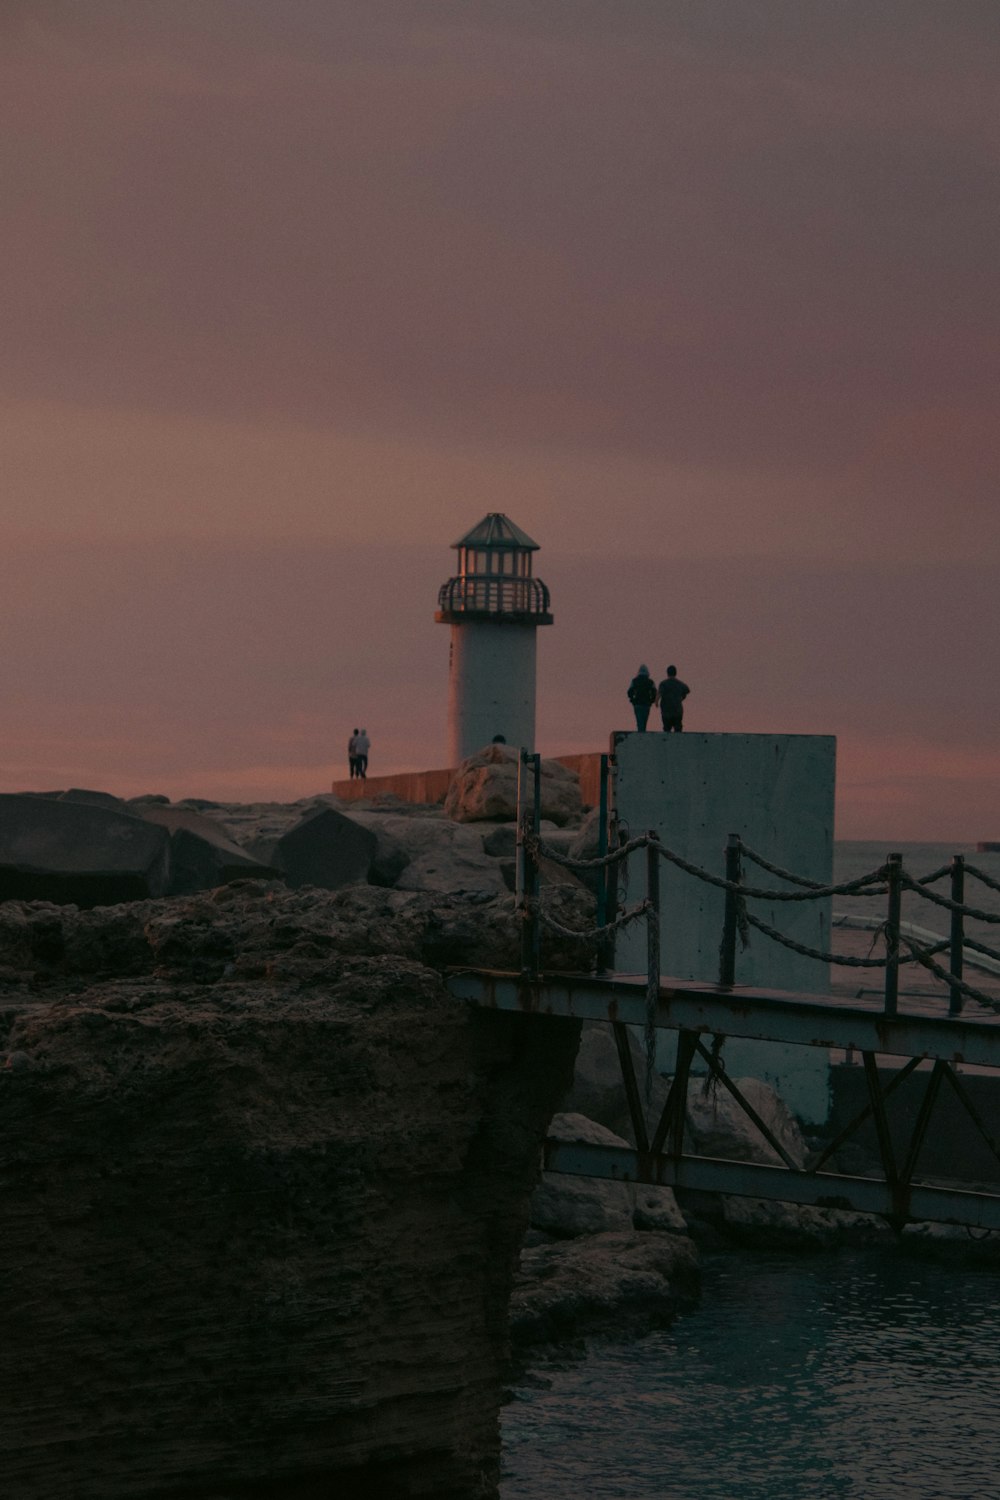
[497, 530]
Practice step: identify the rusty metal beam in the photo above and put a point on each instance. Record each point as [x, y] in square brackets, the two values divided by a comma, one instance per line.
[943, 1205]
[757, 1014]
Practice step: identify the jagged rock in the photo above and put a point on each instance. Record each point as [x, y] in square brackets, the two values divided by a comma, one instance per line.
[484, 788]
[501, 842]
[277, 933]
[758, 1222]
[200, 854]
[272, 1220]
[585, 844]
[567, 1206]
[442, 855]
[78, 852]
[612, 1283]
[96, 799]
[656, 1208]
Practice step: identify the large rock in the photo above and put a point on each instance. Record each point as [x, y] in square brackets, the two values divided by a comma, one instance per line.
[566, 1206]
[257, 1234]
[441, 855]
[78, 852]
[598, 1090]
[617, 1283]
[484, 788]
[201, 856]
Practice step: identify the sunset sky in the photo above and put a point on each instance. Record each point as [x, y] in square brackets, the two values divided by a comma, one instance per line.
[702, 293]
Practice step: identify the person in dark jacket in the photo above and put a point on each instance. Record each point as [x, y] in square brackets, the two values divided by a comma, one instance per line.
[642, 695]
[670, 696]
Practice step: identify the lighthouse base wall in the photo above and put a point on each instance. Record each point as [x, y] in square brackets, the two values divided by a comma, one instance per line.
[491, 686]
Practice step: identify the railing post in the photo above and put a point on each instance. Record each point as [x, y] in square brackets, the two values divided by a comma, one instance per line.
[601, 956]
[894, 871]
[730, 922]
[957, 930]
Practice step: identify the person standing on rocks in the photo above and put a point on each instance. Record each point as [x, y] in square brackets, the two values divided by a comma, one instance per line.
[642, 696]
[352, 754]
[670, 696]
[361, 747]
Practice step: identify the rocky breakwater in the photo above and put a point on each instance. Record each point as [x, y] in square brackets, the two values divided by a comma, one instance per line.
[263, 1188]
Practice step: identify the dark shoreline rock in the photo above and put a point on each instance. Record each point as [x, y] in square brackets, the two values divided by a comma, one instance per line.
[263, 1191]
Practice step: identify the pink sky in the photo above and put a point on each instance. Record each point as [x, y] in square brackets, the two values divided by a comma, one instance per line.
[703, 296]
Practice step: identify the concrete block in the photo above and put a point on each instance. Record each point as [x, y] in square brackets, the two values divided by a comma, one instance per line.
[326, 850]
[201, 856]
[777, 792]
[78, 853]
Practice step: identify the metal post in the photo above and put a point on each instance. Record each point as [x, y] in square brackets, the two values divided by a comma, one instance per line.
[600, 959]
[957, 930]
[730, 923]
[894, 870]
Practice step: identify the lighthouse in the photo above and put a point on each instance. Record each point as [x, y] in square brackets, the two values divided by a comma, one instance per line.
[494, 606]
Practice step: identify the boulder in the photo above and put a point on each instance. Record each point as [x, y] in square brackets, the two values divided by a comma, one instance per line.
[79, 853]
[326, 850]
[598, 1090]
[391, 854]
[442, 856]
[201, 856]
[484, 789]
[774, 1225]
[566, 1206]
[96, 799]
[620, 1283]
[717, 1126]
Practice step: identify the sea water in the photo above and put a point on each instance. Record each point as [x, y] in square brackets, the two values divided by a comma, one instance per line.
[810, 1377]
[862, 1374]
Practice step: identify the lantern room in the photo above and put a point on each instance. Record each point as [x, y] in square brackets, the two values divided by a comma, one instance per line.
[494, 579]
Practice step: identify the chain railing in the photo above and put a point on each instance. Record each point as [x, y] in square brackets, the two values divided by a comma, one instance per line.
[889, 880]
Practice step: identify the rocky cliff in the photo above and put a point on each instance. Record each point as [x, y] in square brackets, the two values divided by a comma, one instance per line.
[263, 1185]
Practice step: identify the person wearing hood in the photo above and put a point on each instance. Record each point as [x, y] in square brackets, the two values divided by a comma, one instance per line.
[361, 747]
[642, 696]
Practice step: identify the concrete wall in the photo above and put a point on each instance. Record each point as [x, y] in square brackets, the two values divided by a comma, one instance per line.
[777, 792]
[421, 787]
[491, 686]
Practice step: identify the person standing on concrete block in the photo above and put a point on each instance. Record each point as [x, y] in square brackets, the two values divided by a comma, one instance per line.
[352, 753]
[361, 747]
[642, 696]
[670, 696]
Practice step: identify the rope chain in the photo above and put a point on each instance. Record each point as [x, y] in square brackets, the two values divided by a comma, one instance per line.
[994, 885]
[837, 958]
[946, 901]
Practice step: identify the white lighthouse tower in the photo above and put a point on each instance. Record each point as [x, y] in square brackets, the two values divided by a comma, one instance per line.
[494, 606]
